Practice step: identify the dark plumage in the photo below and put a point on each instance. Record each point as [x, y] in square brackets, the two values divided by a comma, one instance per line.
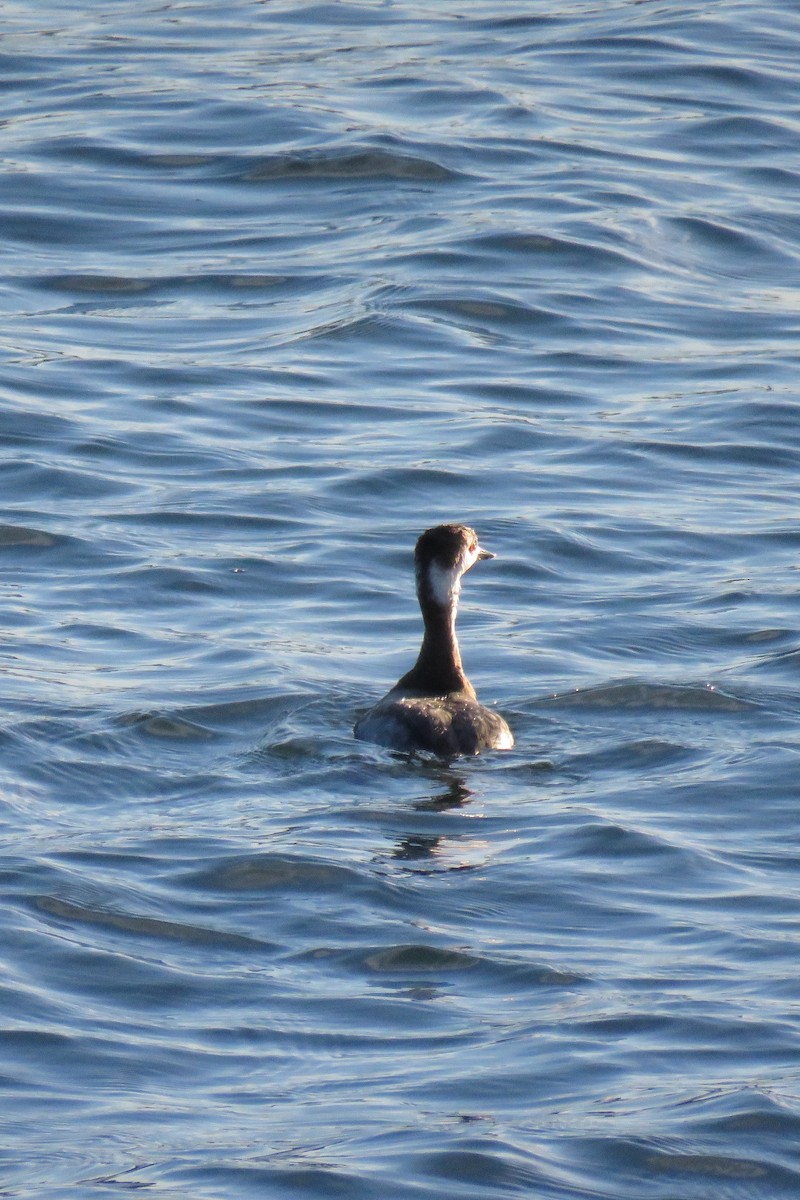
[434, 706]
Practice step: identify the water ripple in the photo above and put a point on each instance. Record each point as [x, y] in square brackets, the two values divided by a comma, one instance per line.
[283, 286]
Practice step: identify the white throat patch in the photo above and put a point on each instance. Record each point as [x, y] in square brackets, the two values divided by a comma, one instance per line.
[445, 583]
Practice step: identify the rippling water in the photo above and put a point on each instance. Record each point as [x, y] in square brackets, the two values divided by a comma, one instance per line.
[283, 285]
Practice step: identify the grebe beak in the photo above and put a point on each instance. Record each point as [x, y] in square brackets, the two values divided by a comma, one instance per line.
[484, 554]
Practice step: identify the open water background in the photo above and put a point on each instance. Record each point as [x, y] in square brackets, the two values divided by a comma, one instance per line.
[282, 285]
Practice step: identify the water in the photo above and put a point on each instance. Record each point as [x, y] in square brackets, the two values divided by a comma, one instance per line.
[283, 285]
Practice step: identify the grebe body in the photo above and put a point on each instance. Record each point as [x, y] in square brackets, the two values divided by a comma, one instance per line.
[434, 706]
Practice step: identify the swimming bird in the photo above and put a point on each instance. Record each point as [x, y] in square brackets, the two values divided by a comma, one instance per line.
[434, 706]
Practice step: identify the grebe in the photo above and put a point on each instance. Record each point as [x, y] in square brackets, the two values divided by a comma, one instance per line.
[434, 706]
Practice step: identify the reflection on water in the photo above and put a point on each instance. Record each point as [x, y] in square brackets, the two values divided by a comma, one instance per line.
[443, 852]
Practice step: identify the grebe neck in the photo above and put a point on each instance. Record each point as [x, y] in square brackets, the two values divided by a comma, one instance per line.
[438, 670]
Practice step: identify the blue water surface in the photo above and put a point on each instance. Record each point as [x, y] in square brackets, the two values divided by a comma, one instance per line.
[282, 285]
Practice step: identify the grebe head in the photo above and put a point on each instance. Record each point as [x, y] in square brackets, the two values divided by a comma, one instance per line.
[442, 556]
